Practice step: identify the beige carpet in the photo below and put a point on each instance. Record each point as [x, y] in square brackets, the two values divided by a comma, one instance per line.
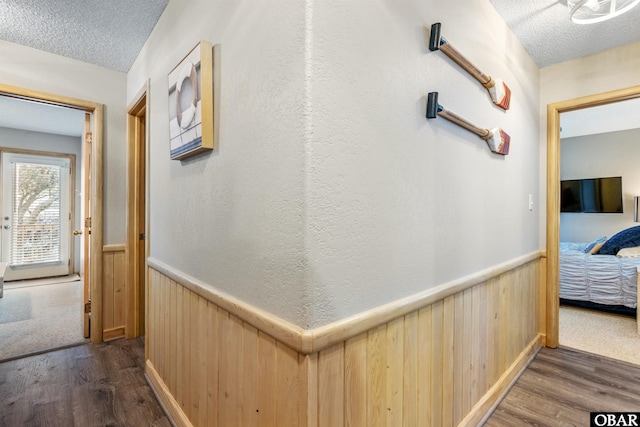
[605, 334]
[35, 316]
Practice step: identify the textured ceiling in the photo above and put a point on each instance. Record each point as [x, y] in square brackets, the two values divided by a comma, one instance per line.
[109, 33]
[548, 35]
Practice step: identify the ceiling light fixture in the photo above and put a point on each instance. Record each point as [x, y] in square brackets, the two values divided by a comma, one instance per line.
[592, 11]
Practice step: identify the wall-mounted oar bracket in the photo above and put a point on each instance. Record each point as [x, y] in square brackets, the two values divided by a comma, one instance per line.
[498, 90]
[497, 139]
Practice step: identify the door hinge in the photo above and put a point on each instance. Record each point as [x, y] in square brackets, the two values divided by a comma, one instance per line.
[88, 137]
[87, 307]
[143, 236]
[87, 222]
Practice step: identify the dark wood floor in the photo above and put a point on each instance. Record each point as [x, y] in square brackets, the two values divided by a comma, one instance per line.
[561, 386]
[88, 385]
[98, 385]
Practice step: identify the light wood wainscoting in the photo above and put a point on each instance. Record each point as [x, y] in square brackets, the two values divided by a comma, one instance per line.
[440, 358]
[113, 286]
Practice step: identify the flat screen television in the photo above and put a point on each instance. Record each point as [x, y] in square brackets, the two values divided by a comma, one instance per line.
[592, 195]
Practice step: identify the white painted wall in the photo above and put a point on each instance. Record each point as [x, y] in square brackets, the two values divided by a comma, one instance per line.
[37, 141]
[593, 156]
[37, 70]
[234, 218]
[603, 72]
[398, 204]
[331, 193]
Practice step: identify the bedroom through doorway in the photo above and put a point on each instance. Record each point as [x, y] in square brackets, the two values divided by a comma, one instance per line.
[599, 238]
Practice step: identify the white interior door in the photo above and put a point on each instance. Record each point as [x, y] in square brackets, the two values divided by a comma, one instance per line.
[36, 217]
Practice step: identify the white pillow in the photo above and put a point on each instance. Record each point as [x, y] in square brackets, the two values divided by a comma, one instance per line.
[633, 252]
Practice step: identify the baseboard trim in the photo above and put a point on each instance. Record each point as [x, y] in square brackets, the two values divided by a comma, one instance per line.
[314, 340]
[169, 404]
[487, 404]
[113, 333]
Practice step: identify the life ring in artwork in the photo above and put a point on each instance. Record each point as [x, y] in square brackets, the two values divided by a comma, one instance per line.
[185, 117]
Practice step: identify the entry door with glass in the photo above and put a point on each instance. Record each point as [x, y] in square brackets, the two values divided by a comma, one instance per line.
[36, 215]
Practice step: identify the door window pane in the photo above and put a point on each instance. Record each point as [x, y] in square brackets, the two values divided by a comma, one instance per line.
[36, 220]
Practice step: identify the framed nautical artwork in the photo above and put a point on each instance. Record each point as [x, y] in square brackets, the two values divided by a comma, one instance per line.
[194, 102]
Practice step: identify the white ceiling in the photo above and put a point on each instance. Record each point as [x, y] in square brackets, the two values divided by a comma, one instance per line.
[548, 35]
[110, 33]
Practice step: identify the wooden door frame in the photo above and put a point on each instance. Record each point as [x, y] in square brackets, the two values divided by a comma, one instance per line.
[97, 113]
[553, 196]
[137, 147]
[86, 227]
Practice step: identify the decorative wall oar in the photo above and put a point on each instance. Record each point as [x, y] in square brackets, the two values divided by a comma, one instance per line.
[497, 139]
[498, 90]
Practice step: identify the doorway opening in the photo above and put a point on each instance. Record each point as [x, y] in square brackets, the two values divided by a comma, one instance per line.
[599, 179]
[89, 225]
[553, 196]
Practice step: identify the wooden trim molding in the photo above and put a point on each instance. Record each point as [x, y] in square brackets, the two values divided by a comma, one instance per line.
[113, 333]
[137, 217]
[282, 330]
[553, 196]
[113, 291]
[325, 336]
[489, 401]
[170, 405]
[441, 358]
[542, 297]
[314, 340]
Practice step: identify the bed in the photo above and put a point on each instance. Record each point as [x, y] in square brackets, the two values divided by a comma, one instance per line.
[602, 274]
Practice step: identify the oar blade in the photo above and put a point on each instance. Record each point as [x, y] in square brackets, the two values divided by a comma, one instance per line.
[499, 142]
[500, 94]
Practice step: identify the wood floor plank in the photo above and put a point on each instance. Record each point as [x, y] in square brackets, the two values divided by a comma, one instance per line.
[96, 404]
[85, 386]
[562, 386]
[595, 390]
[598, 367]
[525, 404]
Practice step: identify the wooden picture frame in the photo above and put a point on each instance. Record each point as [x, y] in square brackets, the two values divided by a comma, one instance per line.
[194, 102]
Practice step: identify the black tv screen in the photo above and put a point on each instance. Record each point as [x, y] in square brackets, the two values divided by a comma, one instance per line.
[592, 195]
